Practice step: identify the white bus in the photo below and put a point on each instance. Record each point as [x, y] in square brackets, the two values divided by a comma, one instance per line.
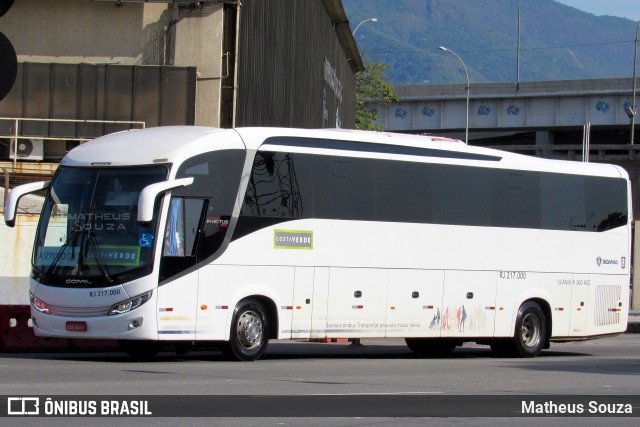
[184, 235]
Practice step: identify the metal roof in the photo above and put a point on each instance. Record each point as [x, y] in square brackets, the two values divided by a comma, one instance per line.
[339, 19]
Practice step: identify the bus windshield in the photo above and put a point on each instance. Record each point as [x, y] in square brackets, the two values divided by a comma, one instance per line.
[89, 234]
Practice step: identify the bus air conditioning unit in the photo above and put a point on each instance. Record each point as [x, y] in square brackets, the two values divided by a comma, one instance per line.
[28, 149]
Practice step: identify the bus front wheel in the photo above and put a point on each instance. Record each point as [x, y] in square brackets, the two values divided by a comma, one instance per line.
[249, 331]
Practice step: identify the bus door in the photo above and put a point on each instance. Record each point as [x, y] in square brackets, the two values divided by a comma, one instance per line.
[414, 303]
[469, 303]
[302, 302]
[319, 302]
[357, 302]
[177, 292]
[579, 305]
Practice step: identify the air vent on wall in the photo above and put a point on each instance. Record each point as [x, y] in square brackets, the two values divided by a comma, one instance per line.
[28, 149]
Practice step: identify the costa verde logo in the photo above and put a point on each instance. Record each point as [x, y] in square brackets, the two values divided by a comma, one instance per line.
[292, 239]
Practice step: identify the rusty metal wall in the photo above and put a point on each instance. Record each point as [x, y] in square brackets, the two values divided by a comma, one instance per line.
[15, 265]
[156, 95]
[281, 72]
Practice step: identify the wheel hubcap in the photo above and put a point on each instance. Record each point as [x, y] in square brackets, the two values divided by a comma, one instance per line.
[530, 332]
[249, 330]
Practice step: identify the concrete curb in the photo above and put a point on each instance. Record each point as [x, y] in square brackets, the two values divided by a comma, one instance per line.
[633, 324]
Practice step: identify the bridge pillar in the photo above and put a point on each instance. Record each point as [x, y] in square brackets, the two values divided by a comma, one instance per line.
[544, 143]
[544, 137]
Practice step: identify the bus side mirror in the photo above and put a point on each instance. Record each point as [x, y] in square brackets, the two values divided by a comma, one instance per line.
[149, 194]
[14, 196]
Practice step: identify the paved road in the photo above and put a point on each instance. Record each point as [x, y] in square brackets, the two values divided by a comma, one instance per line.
[609, 366]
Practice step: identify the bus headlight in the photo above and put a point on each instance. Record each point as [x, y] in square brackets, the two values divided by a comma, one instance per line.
[131, 304]
[40, 305]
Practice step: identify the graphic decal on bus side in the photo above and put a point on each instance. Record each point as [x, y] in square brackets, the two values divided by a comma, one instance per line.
[292, 239]
[435, 322]
[458, 319]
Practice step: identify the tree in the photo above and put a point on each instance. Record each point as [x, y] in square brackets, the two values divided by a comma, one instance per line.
[372, 89]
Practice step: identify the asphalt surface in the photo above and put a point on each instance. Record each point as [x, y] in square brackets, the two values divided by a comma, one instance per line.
[384, 369]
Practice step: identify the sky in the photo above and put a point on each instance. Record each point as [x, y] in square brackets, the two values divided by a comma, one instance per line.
[629, 9]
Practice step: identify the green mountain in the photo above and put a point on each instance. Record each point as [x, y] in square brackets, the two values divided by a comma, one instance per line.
[557, 42]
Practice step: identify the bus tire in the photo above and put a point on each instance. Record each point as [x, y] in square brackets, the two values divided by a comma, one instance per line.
[531, 330]
[431, 347]
[140, 350]
[530, 334]
[249, 331]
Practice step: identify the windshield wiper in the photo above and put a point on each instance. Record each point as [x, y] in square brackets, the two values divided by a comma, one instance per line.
[72, 236]
[91, 242]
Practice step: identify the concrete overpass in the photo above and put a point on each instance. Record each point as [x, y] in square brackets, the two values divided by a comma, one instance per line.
[543, 119]
[540, 118]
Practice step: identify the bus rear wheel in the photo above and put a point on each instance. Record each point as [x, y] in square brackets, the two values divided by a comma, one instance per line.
[530, 333]
[249, 331]
[427, 347]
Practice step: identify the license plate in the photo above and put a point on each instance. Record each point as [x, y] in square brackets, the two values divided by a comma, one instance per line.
[76, 326]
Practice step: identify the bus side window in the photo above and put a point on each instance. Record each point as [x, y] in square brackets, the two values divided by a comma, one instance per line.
[183, 224]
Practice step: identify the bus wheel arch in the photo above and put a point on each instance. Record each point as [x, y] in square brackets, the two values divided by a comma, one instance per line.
[252, 325]
[272, 314]
[546, 310]
[532, 331]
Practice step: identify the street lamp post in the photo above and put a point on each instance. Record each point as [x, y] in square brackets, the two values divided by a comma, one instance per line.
[466, 130]
[518, 52]
[362, 22]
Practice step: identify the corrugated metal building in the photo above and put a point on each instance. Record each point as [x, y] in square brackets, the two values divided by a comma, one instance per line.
[91, 67]
[309, 81]
[217, 63]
